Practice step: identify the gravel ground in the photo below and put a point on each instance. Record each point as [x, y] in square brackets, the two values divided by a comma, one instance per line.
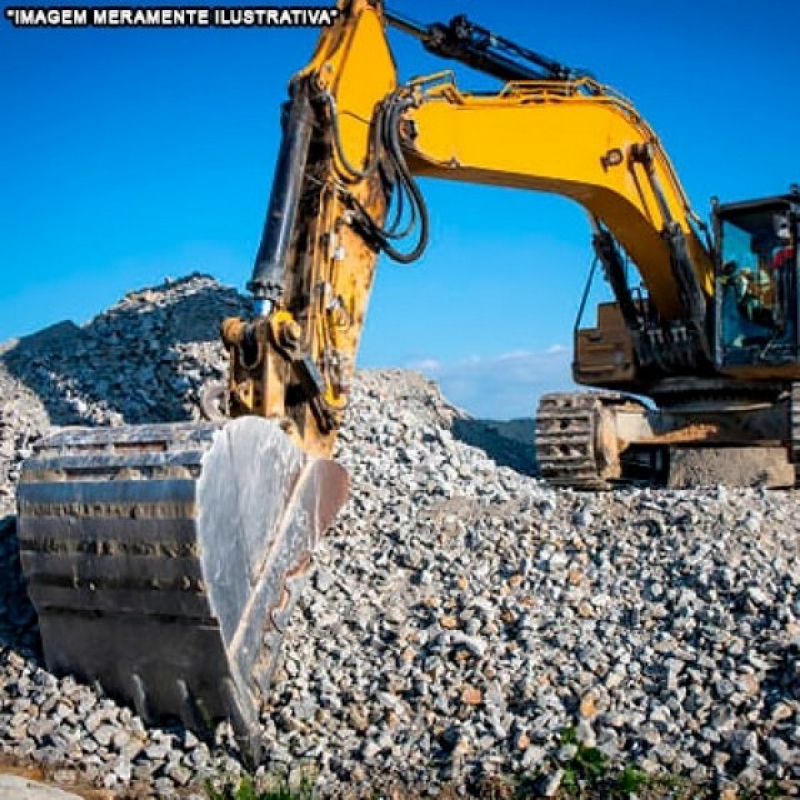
[464, 622]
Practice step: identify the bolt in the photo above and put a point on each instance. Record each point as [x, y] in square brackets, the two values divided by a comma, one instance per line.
[290, 333]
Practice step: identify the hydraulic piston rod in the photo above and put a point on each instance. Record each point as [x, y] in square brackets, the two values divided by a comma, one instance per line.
[269, 271]
[481, 49]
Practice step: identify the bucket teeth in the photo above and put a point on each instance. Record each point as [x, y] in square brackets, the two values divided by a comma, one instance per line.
[164, 560]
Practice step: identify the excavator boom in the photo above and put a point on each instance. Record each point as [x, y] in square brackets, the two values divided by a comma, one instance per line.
[577, 139]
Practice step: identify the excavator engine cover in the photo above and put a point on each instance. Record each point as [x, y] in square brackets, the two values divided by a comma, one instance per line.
[164, 560]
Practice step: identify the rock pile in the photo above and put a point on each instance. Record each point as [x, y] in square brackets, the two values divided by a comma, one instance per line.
[464, 620]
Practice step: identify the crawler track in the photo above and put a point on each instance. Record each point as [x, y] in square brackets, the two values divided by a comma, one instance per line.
[794, 430]
[574, 447]
[565, 439]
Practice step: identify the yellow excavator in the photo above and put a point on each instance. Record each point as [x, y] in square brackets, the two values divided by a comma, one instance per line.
[164, 560]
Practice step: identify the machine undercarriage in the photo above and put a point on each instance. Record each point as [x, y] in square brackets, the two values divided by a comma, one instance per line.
[602, 440]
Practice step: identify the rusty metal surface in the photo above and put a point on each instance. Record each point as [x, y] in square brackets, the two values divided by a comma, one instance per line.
[164, 560]
[690, 433]
[604, 355]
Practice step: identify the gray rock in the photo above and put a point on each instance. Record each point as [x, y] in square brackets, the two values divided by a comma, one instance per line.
[550, 784]
[658, 622]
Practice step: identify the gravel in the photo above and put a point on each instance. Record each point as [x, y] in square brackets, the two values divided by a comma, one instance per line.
[463, 616]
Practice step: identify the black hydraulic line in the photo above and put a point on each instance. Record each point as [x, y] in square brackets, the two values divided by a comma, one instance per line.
[270, 265]
[406, 24]
[695, 308]
[390, 126]
[585, 296]
[400, 188]
[374, 146]
[408, 183]
[607, 251]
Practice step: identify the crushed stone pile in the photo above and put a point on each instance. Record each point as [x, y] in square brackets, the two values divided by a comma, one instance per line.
[464, 622]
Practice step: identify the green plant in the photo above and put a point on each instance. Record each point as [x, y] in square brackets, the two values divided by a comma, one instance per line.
[279, 790]
[631, 780]
[774, 789]
[587, 768]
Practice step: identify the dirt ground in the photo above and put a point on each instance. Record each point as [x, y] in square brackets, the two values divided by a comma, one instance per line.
[732, 466]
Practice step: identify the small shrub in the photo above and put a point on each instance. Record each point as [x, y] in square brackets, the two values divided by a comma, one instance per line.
[280, 790]
[587, 768]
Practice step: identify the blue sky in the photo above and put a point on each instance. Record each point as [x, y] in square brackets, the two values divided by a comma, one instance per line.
[130, 155]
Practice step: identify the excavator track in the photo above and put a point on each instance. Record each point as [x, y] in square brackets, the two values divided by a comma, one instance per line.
[577, 445]
[566, 431]
[164, 561]
[794, 430]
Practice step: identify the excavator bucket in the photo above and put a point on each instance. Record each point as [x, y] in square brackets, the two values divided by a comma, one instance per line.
[164, 560]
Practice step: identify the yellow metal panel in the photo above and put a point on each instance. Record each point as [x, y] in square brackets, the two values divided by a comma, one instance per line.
[353, 63]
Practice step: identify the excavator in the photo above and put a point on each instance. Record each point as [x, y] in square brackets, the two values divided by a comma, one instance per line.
[164, 560]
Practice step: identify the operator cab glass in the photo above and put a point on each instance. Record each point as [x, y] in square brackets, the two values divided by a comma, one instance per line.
[756, 284]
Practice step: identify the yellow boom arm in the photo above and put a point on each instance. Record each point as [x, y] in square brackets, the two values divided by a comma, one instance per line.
[574, 138]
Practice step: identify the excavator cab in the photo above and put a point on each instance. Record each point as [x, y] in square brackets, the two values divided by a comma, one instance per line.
[756, 283]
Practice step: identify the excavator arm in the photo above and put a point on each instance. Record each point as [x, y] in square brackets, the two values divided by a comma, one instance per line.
[338, 163]
[164, 560]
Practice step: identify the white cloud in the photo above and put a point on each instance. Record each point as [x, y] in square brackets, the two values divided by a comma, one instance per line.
[502, 386]
[514, 355]
[430, 366]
